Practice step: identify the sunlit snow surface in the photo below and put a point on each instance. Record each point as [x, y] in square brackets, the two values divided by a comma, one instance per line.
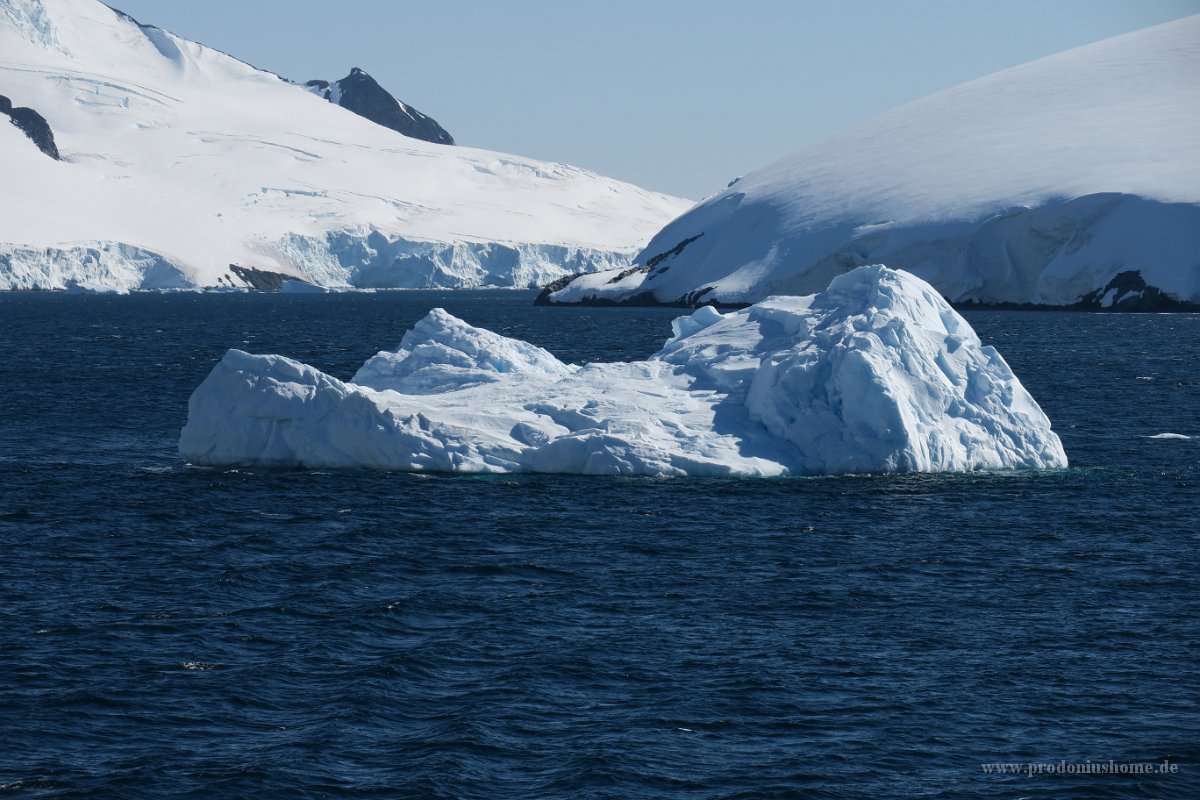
[179, 160]
[876, 374]
[1037, 184]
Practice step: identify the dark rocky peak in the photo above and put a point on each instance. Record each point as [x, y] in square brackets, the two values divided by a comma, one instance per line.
[362, 94]
[1128, 291]
[33, 125]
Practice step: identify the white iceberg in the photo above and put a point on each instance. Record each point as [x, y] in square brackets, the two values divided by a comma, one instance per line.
[876, 374]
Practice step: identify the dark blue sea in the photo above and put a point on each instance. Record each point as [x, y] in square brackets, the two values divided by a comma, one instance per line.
[172, 631]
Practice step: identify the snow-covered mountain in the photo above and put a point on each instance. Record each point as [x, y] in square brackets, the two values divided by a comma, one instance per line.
[1073, 179]
[179, 161]
[362, 94]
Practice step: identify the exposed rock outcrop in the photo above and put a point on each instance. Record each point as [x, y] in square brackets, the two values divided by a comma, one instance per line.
[33, 125]
[362, 94]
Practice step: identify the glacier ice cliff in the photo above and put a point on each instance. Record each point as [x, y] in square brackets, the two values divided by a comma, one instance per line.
[875, 374]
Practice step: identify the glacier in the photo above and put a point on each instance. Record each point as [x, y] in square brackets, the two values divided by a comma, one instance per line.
[875, 374]
[1072, 180]
[179, 162]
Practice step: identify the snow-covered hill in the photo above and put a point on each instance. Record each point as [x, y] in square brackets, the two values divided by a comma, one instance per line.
[1071, 179]
[179, 161]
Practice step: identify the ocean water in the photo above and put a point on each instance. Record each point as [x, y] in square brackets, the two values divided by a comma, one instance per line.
[167, 630]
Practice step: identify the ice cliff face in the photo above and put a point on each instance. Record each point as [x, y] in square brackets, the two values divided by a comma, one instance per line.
[362, 94]
[1039, 184]
[179, 162]
[31, 20]
[876, 374]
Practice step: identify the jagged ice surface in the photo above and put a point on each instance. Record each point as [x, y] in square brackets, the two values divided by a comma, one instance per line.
[876, 374]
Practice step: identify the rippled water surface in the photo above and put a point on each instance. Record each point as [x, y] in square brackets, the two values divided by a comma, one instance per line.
[175, 631]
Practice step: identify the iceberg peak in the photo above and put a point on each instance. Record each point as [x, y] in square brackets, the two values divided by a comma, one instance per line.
[442, 353]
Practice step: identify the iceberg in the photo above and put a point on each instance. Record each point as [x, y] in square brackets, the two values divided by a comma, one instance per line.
[875, 374]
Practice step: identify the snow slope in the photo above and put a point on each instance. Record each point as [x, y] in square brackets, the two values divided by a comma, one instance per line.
[179, 160]
[1038, 184]
[876, 374]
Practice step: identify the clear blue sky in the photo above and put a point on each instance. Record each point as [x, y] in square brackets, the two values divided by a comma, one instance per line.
[674, 95]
